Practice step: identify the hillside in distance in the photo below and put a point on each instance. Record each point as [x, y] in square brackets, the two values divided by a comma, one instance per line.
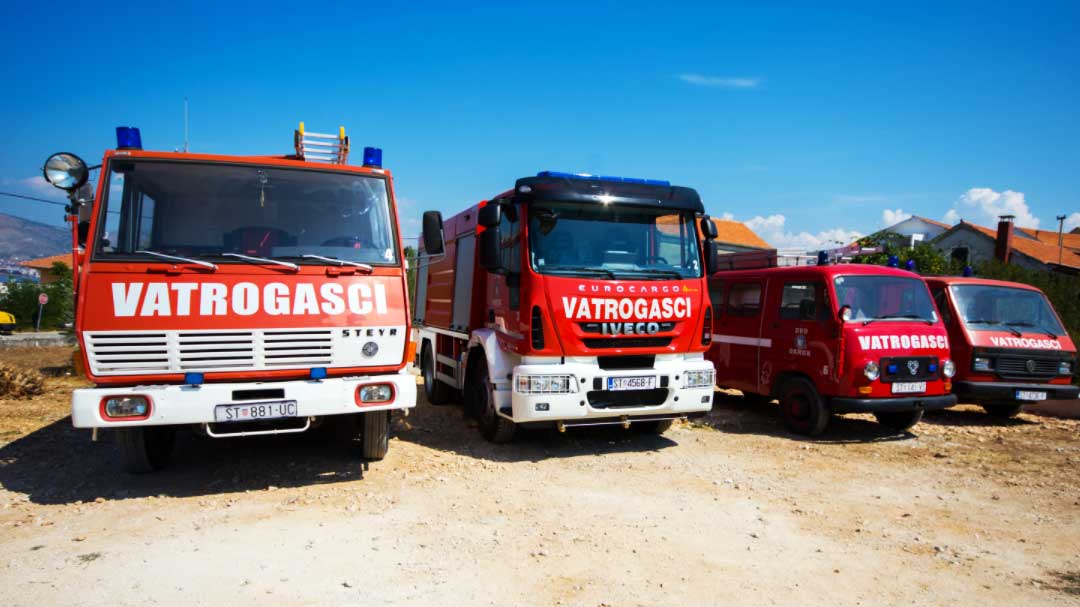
[24, 239]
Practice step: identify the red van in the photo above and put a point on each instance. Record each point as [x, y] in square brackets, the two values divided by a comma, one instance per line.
[831, 339]
[1009, 344]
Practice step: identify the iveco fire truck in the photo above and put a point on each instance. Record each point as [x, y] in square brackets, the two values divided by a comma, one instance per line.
[1008, 342]
[569, 300]
[240, 295]
[829, 339]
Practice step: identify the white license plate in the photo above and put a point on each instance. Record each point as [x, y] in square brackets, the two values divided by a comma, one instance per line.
[631, 383]
[1029, 395]
[908, 387]
[246, 412]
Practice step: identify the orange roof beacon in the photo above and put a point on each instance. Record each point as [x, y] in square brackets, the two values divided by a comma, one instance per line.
[1008, 341]
[828, 339]
[236, 295]
[569, 300]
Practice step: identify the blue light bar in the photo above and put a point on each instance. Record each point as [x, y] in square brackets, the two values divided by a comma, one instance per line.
[318, 373]
[193, 379]
[932, 368]
[372, 157]
[588, 177]
[128, 138]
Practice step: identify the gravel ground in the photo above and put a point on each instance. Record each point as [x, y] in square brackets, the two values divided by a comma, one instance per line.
[963, 510]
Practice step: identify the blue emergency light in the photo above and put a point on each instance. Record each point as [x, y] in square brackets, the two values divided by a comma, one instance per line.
[588, 177]
[893, 369]
[911, 265]
[932, 368]
[128, 138]
[318, 372]
[894, 261]
[968, 271]
[373, 157]
[193, 379]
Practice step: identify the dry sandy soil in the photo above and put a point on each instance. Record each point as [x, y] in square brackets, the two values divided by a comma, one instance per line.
[964, 510]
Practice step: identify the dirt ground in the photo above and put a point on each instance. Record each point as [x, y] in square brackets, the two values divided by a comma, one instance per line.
[964, 510]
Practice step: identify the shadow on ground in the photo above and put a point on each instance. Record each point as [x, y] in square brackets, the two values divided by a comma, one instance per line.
[60, 465]
[973, 416]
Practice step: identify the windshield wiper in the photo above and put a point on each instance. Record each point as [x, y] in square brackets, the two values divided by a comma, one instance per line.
[657, 272]
[993, 323]
[898, 316]
[603, 271]
[1034, 326]
[205, 264]
[291, 266]
[340, 262]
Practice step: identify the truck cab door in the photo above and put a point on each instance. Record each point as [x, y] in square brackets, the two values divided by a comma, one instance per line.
[737, 342]
[800, 330]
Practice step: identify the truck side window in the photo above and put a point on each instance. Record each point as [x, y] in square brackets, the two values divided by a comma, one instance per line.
[800, 301]
[716, 295]
[943, 305]
[744, 299]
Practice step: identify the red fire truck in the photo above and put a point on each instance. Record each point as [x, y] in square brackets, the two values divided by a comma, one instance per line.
[1008, 342]
[830, 339]
[240, 295]
[569, 300]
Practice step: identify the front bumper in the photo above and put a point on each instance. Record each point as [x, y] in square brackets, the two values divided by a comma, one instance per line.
[980, 392]
[890, 405]
[671, 398]
[176, 405]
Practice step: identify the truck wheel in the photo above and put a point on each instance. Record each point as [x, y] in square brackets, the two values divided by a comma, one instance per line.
[899, 420]
[437, 393]
[146, 449]
[802, 408]
[481, 399]
[656, 427]
[375, 435]
[1003, 410]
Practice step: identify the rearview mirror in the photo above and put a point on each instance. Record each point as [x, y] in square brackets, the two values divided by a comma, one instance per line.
[66, 171]
[708, 228]
[433, 233]
[712, 256]
[490, 253]
[490, 215]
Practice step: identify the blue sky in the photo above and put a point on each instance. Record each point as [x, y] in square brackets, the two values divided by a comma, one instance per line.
[809, 123]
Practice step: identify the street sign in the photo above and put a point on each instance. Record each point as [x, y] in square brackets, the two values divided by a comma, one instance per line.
[43, 299]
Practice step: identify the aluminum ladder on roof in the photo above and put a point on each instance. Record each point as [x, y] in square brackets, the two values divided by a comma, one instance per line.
[321, 147]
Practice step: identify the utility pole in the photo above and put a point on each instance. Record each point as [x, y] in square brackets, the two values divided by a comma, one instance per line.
[185, 126]
[1061, 238]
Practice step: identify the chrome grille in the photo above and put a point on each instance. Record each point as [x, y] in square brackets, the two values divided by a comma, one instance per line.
[297, 348]
[115, 353]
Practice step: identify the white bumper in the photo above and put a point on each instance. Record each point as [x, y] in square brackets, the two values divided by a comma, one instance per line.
[671, 397]
[174, 405]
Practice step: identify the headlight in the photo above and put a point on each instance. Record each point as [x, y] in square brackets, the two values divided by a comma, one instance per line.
[1065, 368]
[121, 407]
[700, 379]
[982, 364]
[545, 384]
[872, 371]
[374, 393]
[948, 368]
[66, 171]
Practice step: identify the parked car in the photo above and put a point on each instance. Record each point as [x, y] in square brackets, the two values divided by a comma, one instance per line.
[7, 323]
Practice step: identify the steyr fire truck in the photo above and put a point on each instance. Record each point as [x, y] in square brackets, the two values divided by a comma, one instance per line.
[240, 295]
[1008, 342]
[829, 339]
[570, 300]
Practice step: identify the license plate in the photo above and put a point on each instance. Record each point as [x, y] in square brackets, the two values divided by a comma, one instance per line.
[908, 387]
[631, 383]
[1029, 395]
[246, 412]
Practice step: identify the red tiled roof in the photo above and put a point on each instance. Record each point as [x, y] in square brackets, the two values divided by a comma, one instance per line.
[1035, 249]
[932, 222]
[737, 233]
[46, 263]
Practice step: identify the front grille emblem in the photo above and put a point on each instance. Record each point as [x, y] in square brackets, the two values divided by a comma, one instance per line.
[1030, 366]
[913, 366]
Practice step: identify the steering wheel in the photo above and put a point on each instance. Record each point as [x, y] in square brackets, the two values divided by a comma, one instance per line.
[351, 242]
[649, 258]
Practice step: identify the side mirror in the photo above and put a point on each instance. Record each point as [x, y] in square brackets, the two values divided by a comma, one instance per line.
[845, 314]
[491, 250]
[66, 171]
[490, 216]
[708, 228]
[712, 255]
[433, 233]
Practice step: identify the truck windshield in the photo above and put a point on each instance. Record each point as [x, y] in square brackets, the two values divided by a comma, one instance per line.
[612, 241]
[997, 308]
[884, 298]
[204, 210]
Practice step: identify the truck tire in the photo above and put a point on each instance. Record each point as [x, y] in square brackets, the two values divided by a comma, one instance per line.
[480, 398]
[1003, 410]
[802, 408]
[899, 420]
[656, 427]
[437, 392]
[375, 435]
[147, 448]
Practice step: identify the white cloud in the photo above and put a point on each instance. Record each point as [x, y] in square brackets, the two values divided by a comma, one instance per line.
[890, 217]
[721, 81]
[984, 206]
[1072, 222]
[773, 229]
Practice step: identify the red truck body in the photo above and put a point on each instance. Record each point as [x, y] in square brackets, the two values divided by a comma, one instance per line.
[617, 339]
[1008, 342]
[779, 333]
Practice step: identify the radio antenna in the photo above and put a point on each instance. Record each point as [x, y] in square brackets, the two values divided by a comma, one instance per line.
[185, 126]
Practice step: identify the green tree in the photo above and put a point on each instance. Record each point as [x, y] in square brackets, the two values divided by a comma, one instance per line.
[410, 275]
[928, 260]
[21, 299]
